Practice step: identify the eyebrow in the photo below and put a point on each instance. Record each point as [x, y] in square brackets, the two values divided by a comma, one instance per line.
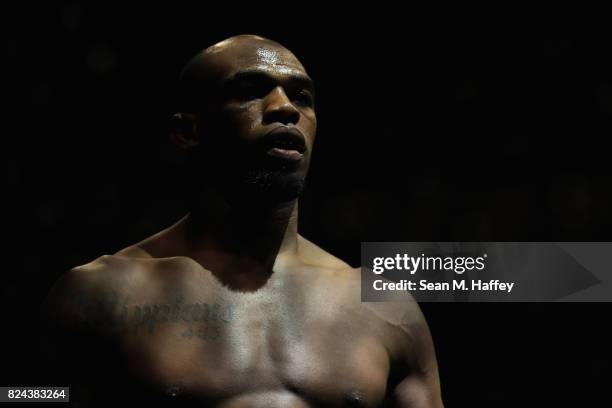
[255, 75]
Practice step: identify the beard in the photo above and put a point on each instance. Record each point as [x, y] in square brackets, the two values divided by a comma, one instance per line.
[247, 182]
[273, 186]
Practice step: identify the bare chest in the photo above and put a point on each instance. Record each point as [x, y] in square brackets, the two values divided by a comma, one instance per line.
[228, 349]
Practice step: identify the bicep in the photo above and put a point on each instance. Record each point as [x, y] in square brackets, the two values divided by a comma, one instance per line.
[418, 381]
[421, 386]
[63, 336]
[419, 391]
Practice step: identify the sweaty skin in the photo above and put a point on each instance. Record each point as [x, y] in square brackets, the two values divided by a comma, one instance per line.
[231, 307]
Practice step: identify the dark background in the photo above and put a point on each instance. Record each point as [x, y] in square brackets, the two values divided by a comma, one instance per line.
[430, 129]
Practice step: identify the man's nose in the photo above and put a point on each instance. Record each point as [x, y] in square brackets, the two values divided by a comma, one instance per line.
[278, 108]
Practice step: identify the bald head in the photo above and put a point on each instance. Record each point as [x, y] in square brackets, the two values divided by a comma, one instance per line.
[203, 76]
[239, 41]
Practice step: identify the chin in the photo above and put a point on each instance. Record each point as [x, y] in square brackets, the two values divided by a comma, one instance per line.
[261, 187]
[273, 187]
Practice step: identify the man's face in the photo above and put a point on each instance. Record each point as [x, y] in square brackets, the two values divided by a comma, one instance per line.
[260, 125]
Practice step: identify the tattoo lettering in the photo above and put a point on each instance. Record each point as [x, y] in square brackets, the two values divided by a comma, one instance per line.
[113, 314]
[205, 332]
[150, 315]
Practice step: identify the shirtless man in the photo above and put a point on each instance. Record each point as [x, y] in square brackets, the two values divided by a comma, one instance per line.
[231, 307]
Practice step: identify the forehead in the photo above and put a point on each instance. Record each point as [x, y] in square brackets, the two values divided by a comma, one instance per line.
[226, 60]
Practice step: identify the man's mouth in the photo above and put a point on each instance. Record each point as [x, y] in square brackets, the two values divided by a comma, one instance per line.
[287, 154]
[285, 143]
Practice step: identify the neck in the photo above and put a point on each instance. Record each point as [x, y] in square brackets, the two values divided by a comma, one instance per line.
[240, 243]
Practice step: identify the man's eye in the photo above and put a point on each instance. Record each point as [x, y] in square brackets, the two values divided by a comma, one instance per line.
[303, 98]
[247, 92]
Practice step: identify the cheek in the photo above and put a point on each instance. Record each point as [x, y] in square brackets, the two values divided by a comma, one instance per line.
[309, 127]
[309, 119]
[243, 120]
[246, 118]
[312, 122]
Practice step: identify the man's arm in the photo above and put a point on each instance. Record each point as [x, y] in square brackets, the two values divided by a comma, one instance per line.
[420, 388]
[65, 336]
[416, 381]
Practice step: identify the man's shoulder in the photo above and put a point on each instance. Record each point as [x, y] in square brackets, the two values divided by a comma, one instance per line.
[312, 254]
[101, 272]
[99, 279]
[403, 312]
[90, 275]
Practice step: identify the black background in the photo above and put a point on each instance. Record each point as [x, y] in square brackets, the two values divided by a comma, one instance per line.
[430, 129]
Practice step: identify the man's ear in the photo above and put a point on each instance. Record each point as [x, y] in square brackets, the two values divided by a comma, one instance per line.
[184, 131]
